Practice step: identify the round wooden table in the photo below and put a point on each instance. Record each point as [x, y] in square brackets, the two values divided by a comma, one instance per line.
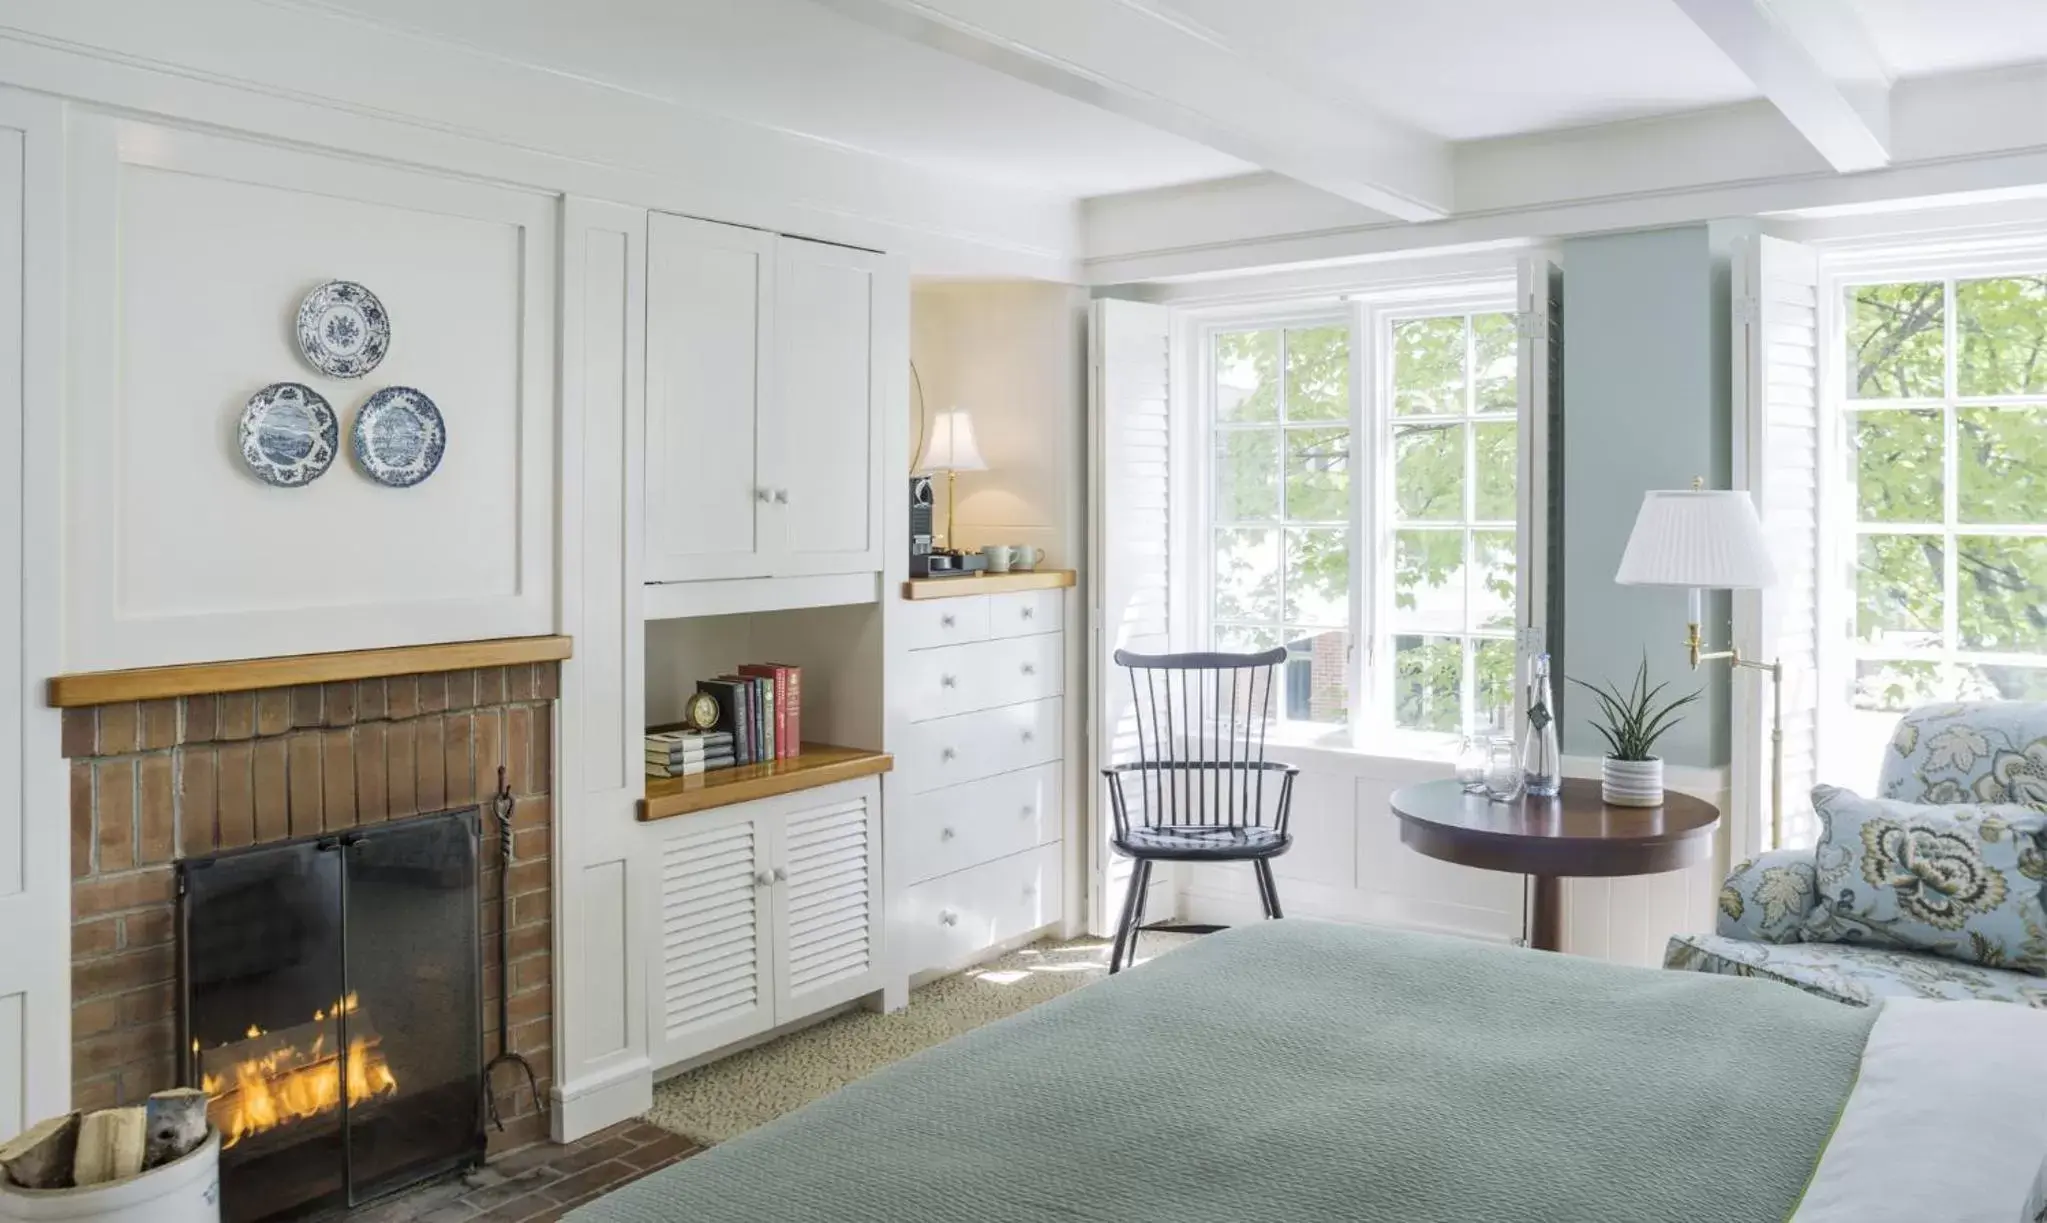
[1574, 834]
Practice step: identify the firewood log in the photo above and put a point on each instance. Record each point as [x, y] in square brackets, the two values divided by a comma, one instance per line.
[176, 1124]
[110, 1145]
[40, 1157]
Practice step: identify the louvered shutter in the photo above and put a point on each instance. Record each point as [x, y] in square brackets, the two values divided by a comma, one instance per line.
[1130, 534]
[1540, 382]
[716, 960]
[1776, 448]
[826, 899]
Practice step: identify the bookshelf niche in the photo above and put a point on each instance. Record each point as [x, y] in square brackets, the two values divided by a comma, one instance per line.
[838, 651]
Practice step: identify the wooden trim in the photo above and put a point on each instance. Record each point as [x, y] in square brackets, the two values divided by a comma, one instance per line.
[196, 679]
[819, 764]
[987, 584]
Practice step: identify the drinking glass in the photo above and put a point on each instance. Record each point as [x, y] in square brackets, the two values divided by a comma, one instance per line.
[1472, 758]
[1503, 781]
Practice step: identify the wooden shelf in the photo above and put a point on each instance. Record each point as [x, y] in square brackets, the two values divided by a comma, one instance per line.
[987, 584]
[196, 679]
[820, 764]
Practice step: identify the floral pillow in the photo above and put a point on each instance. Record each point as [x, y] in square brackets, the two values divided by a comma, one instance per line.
[1965, 882]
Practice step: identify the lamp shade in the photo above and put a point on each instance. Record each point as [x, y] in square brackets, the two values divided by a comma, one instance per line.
[951, 445]
[1704, 538]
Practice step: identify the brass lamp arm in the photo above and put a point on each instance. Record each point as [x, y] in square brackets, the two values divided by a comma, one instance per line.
[1776, 672]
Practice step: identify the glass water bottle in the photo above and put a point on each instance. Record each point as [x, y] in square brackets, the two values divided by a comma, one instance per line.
[1542, 763]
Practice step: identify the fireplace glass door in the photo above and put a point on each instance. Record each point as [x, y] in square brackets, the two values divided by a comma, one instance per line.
[331, 1012]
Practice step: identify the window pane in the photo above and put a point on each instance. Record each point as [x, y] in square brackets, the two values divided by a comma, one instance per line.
[1897, 590]
[2002, 326]
[2001, 593]
[1247, 575]
[1894, 687]
[1428, 683]
[1428, 366]
[1318, 475]
[1247, 376]
[1428, 579]
[1318, 575]
[1493, 682]
[1492, 579]
[1317, 689]
[1246, 475]
[1245, 638]
[1318, 373]
[1428, 472]
[1493, 359]
[1897, 466]
[1895, 341]
[2001, 465]
[1496, 468]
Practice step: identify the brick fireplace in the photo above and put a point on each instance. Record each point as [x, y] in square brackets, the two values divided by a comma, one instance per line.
[153, 782]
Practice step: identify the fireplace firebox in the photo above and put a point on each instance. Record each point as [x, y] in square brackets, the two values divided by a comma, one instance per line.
[331, 1010]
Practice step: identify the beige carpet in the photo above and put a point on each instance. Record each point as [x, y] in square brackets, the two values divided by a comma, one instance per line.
[735, 1094]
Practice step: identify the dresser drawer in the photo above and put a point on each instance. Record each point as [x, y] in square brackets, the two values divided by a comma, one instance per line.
[942, 831]
[963, 678]
[1026, 611]
[943, 922]
[949, 751]
[936, 622]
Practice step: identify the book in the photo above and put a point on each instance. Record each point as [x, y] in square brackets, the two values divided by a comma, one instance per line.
[777, 674]
[688, 768]
[745, 730]
[792, 691]
[731, 712]
[687, 745]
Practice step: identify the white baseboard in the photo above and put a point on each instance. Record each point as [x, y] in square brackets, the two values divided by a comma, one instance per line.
[589, 1104]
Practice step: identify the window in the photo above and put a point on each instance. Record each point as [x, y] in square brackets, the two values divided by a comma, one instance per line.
[1359, 489]
[1943, 510]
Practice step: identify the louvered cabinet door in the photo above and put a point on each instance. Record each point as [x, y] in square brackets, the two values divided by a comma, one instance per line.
[716, 977]
[827, 898]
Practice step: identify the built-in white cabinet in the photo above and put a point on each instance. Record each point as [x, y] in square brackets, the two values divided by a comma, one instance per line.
[770, 911]
[767, 360]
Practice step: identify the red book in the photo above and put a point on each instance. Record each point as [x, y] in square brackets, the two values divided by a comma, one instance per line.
[785, 722]
[789, 697]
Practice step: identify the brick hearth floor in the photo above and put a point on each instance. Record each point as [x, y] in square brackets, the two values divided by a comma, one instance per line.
[538, 1184]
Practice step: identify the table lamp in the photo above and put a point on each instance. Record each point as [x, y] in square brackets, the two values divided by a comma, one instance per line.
[950, 448]
[1710, 539]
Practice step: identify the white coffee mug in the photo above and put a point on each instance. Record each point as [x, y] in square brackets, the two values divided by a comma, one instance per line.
[998, 557]
[1023, 556]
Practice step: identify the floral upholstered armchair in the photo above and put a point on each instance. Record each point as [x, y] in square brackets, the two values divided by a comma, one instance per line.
[1990, 752]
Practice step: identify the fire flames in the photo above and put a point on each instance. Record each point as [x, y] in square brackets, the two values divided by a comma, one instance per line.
[285, 1084]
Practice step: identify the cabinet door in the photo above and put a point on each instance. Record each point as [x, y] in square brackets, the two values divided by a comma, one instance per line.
[832, 306]
[827, 899]
[710, 335]
[715, 980]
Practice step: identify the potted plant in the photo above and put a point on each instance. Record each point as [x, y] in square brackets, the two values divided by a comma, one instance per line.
[1631, 722]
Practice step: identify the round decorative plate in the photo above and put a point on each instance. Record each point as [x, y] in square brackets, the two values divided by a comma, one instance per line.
[399, 437]
[289, 434]
[343, 329]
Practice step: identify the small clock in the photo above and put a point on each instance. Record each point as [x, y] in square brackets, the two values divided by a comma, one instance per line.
[700, 712]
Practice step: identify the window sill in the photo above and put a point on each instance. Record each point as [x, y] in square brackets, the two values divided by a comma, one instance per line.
[1319, 748]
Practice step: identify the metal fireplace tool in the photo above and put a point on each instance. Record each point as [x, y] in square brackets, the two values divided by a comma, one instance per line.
[501, 806]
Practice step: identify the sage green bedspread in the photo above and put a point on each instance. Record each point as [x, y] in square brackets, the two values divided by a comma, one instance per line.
[1298, 1071]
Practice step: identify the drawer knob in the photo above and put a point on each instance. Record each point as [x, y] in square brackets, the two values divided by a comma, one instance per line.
[946, 753]
[947, 620]
[948, 918]
[1029, 811]
[1028, 612]
[764, 495]
[763, 879]
[781, 496]
[948, 681]
[945, 834]
[1030, 890]
[781, 874]
[1030, 668]
[1029, 735]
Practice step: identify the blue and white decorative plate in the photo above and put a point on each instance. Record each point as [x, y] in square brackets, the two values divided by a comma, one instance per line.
[343, 329]
[399, 437]
[289, 434]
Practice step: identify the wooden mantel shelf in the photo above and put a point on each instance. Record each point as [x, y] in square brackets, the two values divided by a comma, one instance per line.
[819, 764]
[987, 583]
[197, 679]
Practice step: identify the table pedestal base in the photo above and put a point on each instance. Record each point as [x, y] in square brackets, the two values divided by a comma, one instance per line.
[1546, 913]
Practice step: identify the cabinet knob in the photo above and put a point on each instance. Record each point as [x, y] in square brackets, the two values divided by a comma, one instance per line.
[947, 620]
[946, 753]
[763, 878]
[1029, 736]
[945, 834]
[781, 874]
[1030, 668]
[1029, 612]
[764, 495]
[781, 496]
[948, 918]
[1029, 811]
[948, 681]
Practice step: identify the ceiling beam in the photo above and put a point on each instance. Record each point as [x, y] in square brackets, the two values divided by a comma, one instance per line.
[1135, 61]
[1815, 63]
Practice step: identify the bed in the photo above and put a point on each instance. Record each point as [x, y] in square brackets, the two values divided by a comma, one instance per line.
[1299, 1071]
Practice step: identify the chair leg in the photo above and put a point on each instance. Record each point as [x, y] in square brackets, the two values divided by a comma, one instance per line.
[1140, 886]
[1268, 886]
[1264, 893]
[1126, 920]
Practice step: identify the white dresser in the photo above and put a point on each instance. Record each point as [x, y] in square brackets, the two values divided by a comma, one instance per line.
[975, 847]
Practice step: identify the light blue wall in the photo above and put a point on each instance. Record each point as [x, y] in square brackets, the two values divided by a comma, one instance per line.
[1646, 405]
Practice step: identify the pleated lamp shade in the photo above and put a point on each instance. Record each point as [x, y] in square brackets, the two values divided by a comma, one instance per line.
[1706, 539]
[951, 445]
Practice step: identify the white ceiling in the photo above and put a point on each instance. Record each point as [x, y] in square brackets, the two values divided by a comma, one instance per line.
[1922, 37]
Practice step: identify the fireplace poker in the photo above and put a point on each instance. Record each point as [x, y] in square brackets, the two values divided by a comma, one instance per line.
[501, 807]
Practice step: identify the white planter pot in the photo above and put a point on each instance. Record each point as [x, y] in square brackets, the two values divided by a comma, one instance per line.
[1631, 783]
[185, 1190]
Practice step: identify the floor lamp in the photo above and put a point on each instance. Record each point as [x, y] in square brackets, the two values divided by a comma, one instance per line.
[1710, 539]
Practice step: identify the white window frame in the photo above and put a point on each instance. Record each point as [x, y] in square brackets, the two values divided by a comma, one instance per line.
[1987, 256]
[1369, 316]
